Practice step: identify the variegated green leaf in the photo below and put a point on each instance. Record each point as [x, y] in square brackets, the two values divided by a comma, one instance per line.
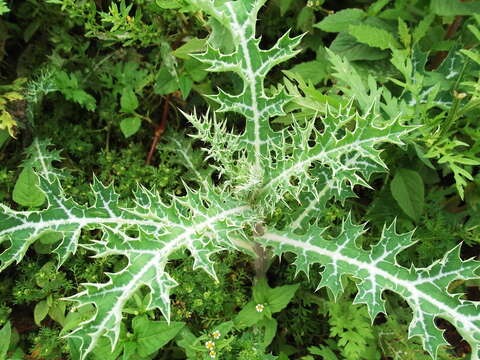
[424, 289]
[252, 65]
[204, 223]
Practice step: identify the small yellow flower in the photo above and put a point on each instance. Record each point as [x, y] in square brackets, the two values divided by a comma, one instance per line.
[260, 307]
[216, 334]
[210, 345]
[212, 354]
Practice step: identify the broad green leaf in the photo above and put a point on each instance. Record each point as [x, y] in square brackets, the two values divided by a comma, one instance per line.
[130, 125]
[57, 312]
[129, 350]
[270, 326]
[5, 335]
[165, 82]
[260, 291]
[26, 191]
[341, 20]
[104, 350]
[314, 71]
[454, 7]
[186, 340]
[249, 315]
[284, 6]
[40, 312]
[192, 45]
[348, 47]
[279, 297]
[408, 190]
[168, 4]
[185, 83]
[305, 19]
[474, 55]
[275, 298]
[7, 122]
[153, 335]
[475, 31]
[4, 136]
[3, 7]
[195, 69]
[373, 36]
[128, 100]
[224, 328]
[323, 351]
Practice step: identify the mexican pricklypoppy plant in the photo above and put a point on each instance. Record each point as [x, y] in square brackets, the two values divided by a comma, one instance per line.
[261, 170]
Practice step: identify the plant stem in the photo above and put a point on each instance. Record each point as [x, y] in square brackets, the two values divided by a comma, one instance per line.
[159, 130]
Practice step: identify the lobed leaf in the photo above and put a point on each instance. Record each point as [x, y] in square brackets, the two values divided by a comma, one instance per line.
[424, 289]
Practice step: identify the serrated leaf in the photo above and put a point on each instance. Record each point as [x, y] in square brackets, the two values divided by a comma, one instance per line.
[41, 159]
[422, 27]
[26, 191]
[348, 47]
[3, 7]
[239, 19]
[68, 85]
[454, 7]
[408, 190]
[424, 289]
[376, 7]
[373, 36]
[183, 224]
[7, 122]
[341, 20]
[404, 33]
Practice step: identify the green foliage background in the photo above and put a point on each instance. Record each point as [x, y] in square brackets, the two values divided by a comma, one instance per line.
[95, 78]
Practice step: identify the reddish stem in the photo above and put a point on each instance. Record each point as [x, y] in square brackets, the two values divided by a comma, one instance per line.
[159, 130]
[441, 55]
